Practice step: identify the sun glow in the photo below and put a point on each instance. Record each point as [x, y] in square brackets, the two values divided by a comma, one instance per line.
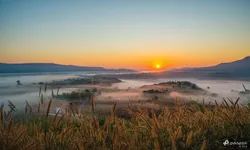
[158, 66]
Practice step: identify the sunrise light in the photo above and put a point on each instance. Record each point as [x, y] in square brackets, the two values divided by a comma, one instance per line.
[158, 66]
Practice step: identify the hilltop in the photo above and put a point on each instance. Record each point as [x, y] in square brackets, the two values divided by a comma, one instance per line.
[50, 67]
[239, 69]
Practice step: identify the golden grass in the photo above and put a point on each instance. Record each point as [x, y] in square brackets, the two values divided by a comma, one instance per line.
[190, 126]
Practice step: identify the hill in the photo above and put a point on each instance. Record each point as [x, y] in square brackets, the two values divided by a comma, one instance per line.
[239, 65]
[239, 69]
[50, 67]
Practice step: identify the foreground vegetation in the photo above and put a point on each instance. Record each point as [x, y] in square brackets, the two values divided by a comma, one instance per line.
[189, 126]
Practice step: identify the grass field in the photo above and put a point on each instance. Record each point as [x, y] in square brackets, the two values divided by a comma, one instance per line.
[189, 126]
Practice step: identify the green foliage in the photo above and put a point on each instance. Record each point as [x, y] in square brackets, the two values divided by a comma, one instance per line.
[74, 95]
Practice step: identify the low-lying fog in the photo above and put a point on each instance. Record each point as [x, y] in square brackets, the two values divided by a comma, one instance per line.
[224, 88]
[221, 87]
[28, 92]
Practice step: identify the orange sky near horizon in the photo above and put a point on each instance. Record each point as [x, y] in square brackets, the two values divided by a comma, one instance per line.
[137, 60]
[125, 34]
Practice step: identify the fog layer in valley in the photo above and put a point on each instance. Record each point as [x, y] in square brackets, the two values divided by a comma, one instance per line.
[123, 92]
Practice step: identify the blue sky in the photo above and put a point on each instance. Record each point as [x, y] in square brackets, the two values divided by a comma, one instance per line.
[140, 31]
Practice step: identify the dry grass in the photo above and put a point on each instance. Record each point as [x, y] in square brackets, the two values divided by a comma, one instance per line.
[190, 126]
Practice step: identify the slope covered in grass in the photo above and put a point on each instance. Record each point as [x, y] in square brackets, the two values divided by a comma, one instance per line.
[191, 126]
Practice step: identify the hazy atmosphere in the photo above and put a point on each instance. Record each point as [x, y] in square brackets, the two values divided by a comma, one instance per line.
[124, 75]
[91, 33]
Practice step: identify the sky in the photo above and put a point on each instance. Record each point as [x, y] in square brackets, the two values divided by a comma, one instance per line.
[139, 34]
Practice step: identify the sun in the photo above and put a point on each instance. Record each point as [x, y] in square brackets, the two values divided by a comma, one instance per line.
[158, 66]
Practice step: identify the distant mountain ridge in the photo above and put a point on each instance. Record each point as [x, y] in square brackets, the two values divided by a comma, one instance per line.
[242, 64]
[239, 69]
[50, 67]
